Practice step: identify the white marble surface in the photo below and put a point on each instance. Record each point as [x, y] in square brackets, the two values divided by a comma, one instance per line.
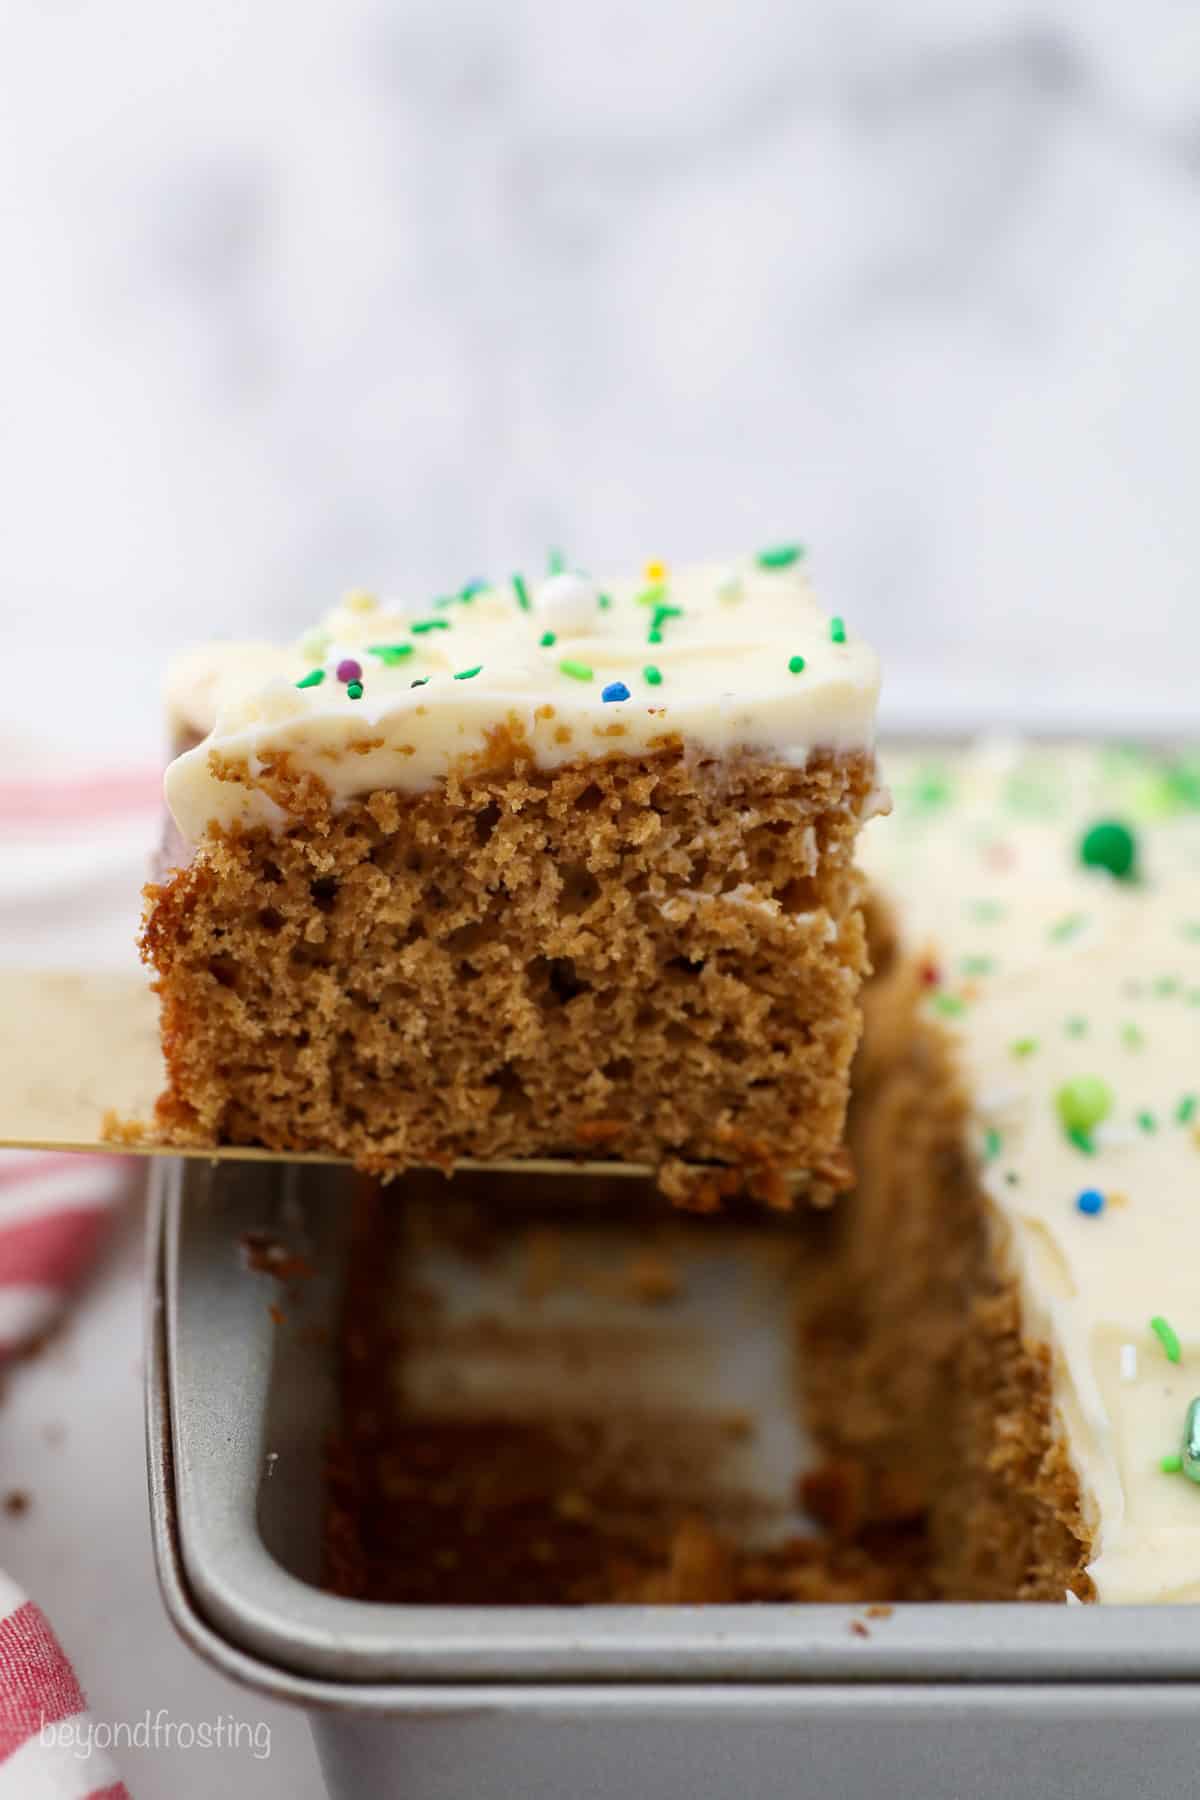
[400, 293]
[299, 295]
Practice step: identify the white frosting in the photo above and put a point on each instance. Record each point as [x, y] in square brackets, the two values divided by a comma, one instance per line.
[1051, 972]
[722, 656]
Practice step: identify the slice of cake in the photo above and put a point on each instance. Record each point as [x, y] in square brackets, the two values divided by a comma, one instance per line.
[537, 869]
[1009, 1311]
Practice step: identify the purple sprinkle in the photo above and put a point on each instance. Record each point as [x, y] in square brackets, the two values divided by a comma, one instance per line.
[349, 670]
[1091, 1201]
[616, 690]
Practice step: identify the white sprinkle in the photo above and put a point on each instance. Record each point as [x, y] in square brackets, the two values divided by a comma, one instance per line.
[569, 604]
[730, 587]
[1128, 1362]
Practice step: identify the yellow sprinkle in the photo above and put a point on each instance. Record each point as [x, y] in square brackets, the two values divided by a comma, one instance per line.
[359, 600]
[1117, 1199]
[656, 571]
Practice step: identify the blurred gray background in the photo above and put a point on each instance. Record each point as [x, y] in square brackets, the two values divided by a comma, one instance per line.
[310, 293]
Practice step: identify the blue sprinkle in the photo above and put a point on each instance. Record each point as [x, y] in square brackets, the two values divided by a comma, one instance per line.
[616, 690]
[1091, 1201]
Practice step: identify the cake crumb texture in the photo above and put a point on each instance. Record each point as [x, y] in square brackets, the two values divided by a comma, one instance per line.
[642, 958]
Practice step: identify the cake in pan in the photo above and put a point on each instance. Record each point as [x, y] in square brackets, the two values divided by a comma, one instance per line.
[538, 869]
[1008, 1310]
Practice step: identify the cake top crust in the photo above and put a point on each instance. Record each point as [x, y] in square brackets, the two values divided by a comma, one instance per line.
[1055, 892]
[383, 695]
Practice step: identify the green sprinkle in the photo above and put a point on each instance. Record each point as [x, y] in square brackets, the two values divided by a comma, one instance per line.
[354, 690]
[663, 612]
[1167, 1338]
[390, 654]
[556, 562]
[1171, 1465]
[1081, 1139]
[978, 965]
[991, 1144]
[1083, 1103]
[837, 631]
[548, 640]
[468, 674]
[1109, 845]
[779, 556]
[314, 678]
[1165, 986]
[796, 665]
[604, 601]
[652, 675]
[1024, 1046]
[1132, 1036]
[1068, 927]
[654, 636]
[950, 1005]
[1185, 1112]
[654, 595]
[521, 591]
[1076, 1027]
[986, 912]
[469, 589]
[1147, 1122]
[422, 625]
[578, 671]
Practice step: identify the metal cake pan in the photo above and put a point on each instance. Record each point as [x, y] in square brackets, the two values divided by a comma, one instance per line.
[618, 1700]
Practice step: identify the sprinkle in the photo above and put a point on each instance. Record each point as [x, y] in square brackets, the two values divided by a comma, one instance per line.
[354, 690]
[578, 671]
[986, 912]
[349, 670]
[421, 625]
[556, 562]
[1185, 1112]
[360, 600]
[652, 675]
[978, 965]
[837, 630]
[604, 601]
[729, 587]
[468, 591]
[1084, 1102]
[1090, 1202]
[654, 636]
[1076, 1027]
[1165, 986]
[567, 602]
[779, 556]
[655, 571]
[1171, 1465]
[421, 681]
[948, 1004]
[1167, 1338]
[991, 1144]
[616, 690]
[1081, 1139]
[468, 674]
[1068, 927]
[654, 595]
[1132, 1036]
[1024, 1046]
[1147, 1121]
[796, 665]
[1190, 1457]
[521, 591]
[1128, 1362]
[314, 678]
[663, 612]
[1109, 845]
[390, 654]
[548, 640]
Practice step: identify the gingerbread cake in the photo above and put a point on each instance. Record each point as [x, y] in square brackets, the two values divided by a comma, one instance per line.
[1007, 1310]
[538, 869]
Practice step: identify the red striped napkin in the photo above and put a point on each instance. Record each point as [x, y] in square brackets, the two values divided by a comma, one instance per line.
[73, 854]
